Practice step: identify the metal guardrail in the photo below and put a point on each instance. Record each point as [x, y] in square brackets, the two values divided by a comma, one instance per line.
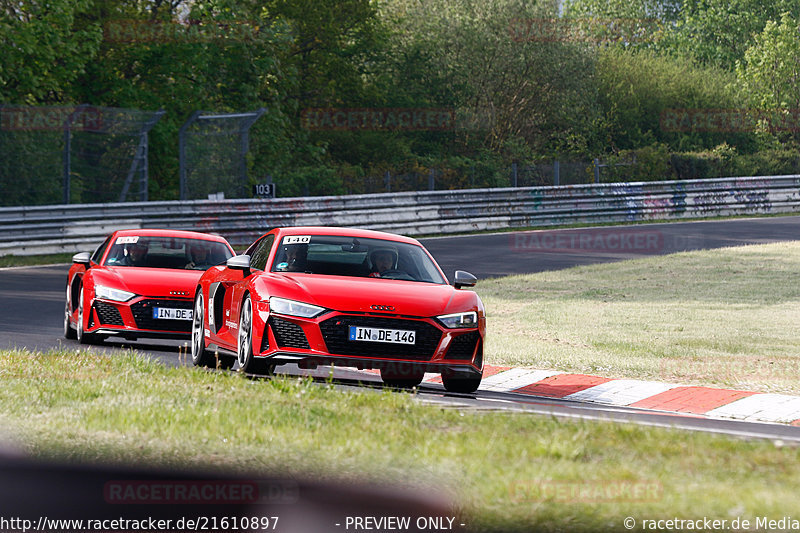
[69, 228]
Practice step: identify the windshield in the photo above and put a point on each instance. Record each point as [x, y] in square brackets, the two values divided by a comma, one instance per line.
[166, 252]
[349, 256]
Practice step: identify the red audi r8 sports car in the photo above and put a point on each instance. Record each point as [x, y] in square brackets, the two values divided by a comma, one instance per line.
[347, 297]
[139, 283]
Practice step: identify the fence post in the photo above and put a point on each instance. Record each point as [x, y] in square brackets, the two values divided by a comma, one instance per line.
[387, 178]
[514, 176]
[67, 164]
[244, 147]
[596, 170]
[182, 152]
[431, 182]
[556, 172]
[68, 149]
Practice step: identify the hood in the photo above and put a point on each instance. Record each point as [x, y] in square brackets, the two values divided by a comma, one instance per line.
[358, 294]
[152, 282]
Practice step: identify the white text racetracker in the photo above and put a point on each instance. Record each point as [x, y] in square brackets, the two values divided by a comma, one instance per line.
[394, 336]
[169, 313]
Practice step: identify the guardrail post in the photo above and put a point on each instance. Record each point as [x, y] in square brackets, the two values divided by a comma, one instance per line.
[431, 176]
[596, 170]
[387, 179]
[556, 172]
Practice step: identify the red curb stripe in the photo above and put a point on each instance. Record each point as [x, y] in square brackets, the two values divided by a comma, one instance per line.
[489, 370]
[561, 385]
[696, 400]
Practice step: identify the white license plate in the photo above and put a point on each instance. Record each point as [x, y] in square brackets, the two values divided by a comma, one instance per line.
[393, 336]
[169, 313]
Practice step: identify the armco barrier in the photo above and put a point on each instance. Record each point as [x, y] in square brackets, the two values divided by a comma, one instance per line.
[68, 228]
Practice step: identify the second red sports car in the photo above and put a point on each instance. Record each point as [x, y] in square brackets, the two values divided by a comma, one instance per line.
[139, 283]
[317, 295]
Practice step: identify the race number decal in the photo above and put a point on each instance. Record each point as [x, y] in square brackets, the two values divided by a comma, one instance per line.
[297, 239]
[127, 240]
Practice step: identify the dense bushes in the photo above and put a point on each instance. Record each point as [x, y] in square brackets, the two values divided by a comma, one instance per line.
[521, 82]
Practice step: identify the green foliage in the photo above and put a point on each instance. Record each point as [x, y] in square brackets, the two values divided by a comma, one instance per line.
[44, 48]
[523, 82]
[718, 32]
[638, 90]
[770, 72]
[476, 55]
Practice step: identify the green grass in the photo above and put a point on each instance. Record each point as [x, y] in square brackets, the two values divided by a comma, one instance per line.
[726, 317]
[32, 260]
[503, 472]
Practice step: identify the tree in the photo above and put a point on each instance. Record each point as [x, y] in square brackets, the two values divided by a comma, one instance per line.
[491, 61]
[770, 74]
[718, 32]
[44, 49]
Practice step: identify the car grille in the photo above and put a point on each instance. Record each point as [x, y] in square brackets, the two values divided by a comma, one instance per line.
[463, 346]
[288, 334]
[336, 332]
[108, 314]
[143, 315]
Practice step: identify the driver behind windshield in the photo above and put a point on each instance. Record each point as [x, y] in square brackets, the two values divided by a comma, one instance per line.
[295, 258]
[199, 257]
[383, 260]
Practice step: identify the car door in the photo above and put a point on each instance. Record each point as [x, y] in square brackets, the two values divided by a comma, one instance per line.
[227, 293]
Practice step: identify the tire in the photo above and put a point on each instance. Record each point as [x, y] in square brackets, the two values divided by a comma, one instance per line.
[454, 382]
[248, 363]
[401, 380]
[69, 331]
[200, 356]
[80, 334]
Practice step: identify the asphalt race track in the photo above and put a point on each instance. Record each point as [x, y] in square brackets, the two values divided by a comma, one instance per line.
[33, 304]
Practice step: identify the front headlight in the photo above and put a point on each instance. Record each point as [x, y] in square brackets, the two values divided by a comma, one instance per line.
[459, 320]
[107, 293]
[283, 306]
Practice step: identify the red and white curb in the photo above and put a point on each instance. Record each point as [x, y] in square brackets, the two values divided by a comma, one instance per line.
[653, 395]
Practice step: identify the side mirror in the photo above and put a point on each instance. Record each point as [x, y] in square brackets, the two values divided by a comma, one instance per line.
[82, 258]
[239, 262]
[464, 279]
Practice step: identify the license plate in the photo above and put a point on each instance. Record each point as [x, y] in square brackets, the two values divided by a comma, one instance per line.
[393, 336]
[169, 313]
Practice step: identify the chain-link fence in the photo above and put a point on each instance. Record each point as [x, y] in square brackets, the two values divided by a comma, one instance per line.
[73, 154]
[516, 175]
[213, 154]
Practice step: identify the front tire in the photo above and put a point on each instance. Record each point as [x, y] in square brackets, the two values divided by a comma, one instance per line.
[200, 356]
[80, 333]
[401, 380]
[248, 362]
[454, 382]
[69, 331]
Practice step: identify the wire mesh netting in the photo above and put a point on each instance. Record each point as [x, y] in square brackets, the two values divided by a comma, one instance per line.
[551, 173]
[73, 154]
[213, 154]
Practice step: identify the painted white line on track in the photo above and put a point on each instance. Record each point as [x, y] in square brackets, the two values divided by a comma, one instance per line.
[621, 391]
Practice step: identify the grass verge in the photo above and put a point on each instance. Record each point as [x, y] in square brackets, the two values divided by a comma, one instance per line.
[33, 260]
[505, 472]
[725, 317]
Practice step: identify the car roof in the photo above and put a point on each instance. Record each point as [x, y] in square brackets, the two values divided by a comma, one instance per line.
[169, 233]
[346, 232]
